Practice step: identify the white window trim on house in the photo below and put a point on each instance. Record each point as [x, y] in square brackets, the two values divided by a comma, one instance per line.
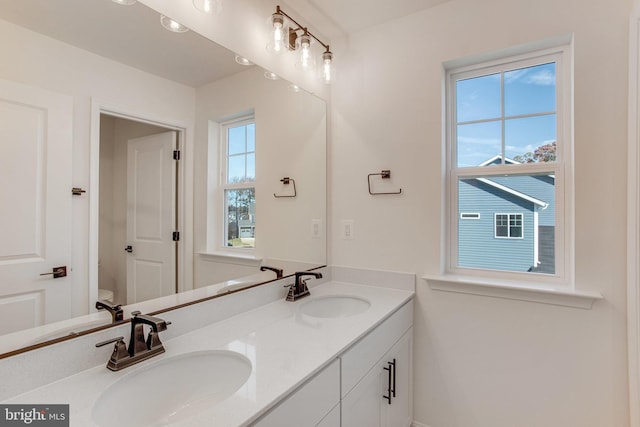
[558, 288]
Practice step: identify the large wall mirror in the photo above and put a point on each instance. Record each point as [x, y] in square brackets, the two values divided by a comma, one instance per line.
[192, 171]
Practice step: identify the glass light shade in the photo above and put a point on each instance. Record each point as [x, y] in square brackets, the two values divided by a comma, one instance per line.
[306, 60]
[172, 25]
[277, 44]
[208, 6]
[294, 87]
[125, 2]
[270, 75]
[327, 67]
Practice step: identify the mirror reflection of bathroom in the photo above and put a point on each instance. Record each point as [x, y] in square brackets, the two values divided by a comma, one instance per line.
[137, 210]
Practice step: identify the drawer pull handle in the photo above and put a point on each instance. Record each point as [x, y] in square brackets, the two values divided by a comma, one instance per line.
[391, 381]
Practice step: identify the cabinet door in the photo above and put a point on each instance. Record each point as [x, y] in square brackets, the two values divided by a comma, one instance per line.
[366, 404]
[362, 406]
[399, 411]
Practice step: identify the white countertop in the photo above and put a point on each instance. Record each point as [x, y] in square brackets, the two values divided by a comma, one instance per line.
[284, 346]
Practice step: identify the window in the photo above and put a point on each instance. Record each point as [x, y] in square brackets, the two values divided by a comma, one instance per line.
[239, 178]
[467, 215]
[509, 166]
[508, 226]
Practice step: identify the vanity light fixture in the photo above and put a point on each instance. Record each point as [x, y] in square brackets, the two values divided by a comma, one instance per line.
[293, 37]
[208, 6]
[125, 2]
[172, 25]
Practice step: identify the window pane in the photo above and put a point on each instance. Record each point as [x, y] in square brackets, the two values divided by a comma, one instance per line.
[237, 140]
[251, 167]
[515, 230]
[240, 224]
[531, 139]
[478, 98]
[501, 226]
[251, 137]
[515, 226]
[236, 169]
[530, 90]
[479, 142]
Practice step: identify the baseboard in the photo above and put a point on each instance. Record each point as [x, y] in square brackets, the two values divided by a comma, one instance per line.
[417, 424]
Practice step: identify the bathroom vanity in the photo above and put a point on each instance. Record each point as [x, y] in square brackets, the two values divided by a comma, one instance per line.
[339, 357]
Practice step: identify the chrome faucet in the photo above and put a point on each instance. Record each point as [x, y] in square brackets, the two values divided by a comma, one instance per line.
[115, 309]
[278, 271]
[299, 288]
[139, 349]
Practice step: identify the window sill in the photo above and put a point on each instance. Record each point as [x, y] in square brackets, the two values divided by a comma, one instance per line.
[231, 258]
[533, 292]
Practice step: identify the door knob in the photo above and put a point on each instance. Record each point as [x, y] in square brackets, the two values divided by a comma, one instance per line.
[129, 249]
[57, 272]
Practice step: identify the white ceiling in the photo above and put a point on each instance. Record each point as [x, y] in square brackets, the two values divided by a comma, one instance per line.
[335, 18]
[128, 34]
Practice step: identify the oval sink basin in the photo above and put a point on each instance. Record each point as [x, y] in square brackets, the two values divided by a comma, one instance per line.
[171, 389]
[335, 306]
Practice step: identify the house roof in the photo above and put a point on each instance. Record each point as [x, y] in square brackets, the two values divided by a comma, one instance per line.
[496, 157]
[516, 193]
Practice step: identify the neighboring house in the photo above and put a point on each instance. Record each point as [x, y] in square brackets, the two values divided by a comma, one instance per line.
[507, 223]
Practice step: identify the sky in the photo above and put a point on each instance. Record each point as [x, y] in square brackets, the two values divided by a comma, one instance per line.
[529, 113]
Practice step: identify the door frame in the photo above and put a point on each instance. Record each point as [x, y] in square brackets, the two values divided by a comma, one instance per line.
[184, 200]
[633, 217]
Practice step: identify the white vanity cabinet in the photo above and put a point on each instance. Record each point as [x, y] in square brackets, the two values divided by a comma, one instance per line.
[314, 404]
[377, 375]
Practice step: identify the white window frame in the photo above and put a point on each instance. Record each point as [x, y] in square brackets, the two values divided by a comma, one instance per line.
[224, 185]
[560, 52]
[508, 215]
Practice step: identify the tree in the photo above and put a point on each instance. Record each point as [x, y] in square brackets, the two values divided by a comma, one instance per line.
[544, 153]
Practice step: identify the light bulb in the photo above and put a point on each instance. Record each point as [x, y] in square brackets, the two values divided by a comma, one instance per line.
[306, 61]
[327, 72]
[277, 43]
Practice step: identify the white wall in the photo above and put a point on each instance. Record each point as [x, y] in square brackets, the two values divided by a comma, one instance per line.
[482, 361]
[33, 59]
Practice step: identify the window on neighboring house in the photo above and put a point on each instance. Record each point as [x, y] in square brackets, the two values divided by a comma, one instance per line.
[509, 149]
[239, 179]
[508, 226]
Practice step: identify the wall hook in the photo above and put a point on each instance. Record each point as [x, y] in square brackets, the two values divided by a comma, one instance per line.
[286, 180]
[384, 174]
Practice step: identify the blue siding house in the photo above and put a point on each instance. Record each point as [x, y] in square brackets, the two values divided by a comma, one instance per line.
[507, 222]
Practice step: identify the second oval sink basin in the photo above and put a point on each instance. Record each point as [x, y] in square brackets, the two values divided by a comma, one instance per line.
[332, 306]
[171, 389]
